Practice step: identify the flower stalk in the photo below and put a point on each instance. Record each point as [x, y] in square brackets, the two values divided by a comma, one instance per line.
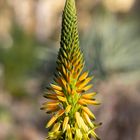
[68, 94]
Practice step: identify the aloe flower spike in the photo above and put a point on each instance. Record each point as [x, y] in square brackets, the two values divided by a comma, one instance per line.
[68, 94]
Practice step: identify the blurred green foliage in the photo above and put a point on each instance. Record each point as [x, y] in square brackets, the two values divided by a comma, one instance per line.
[112, 46]
[18, 61]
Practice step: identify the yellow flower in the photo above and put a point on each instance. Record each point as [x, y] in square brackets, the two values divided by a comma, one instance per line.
[87, 110]
[55, 117]
[65, 123]
[69, 133]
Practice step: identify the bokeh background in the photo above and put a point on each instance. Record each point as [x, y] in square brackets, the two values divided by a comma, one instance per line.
[29, 41]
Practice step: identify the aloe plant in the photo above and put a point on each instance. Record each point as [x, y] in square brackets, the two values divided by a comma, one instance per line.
[116, 47]
[68, 96]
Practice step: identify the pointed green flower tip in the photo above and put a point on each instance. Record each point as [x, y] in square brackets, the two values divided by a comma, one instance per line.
[69, 32]
[68, 95]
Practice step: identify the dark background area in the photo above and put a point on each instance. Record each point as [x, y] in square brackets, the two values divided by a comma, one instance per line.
[109, 33]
